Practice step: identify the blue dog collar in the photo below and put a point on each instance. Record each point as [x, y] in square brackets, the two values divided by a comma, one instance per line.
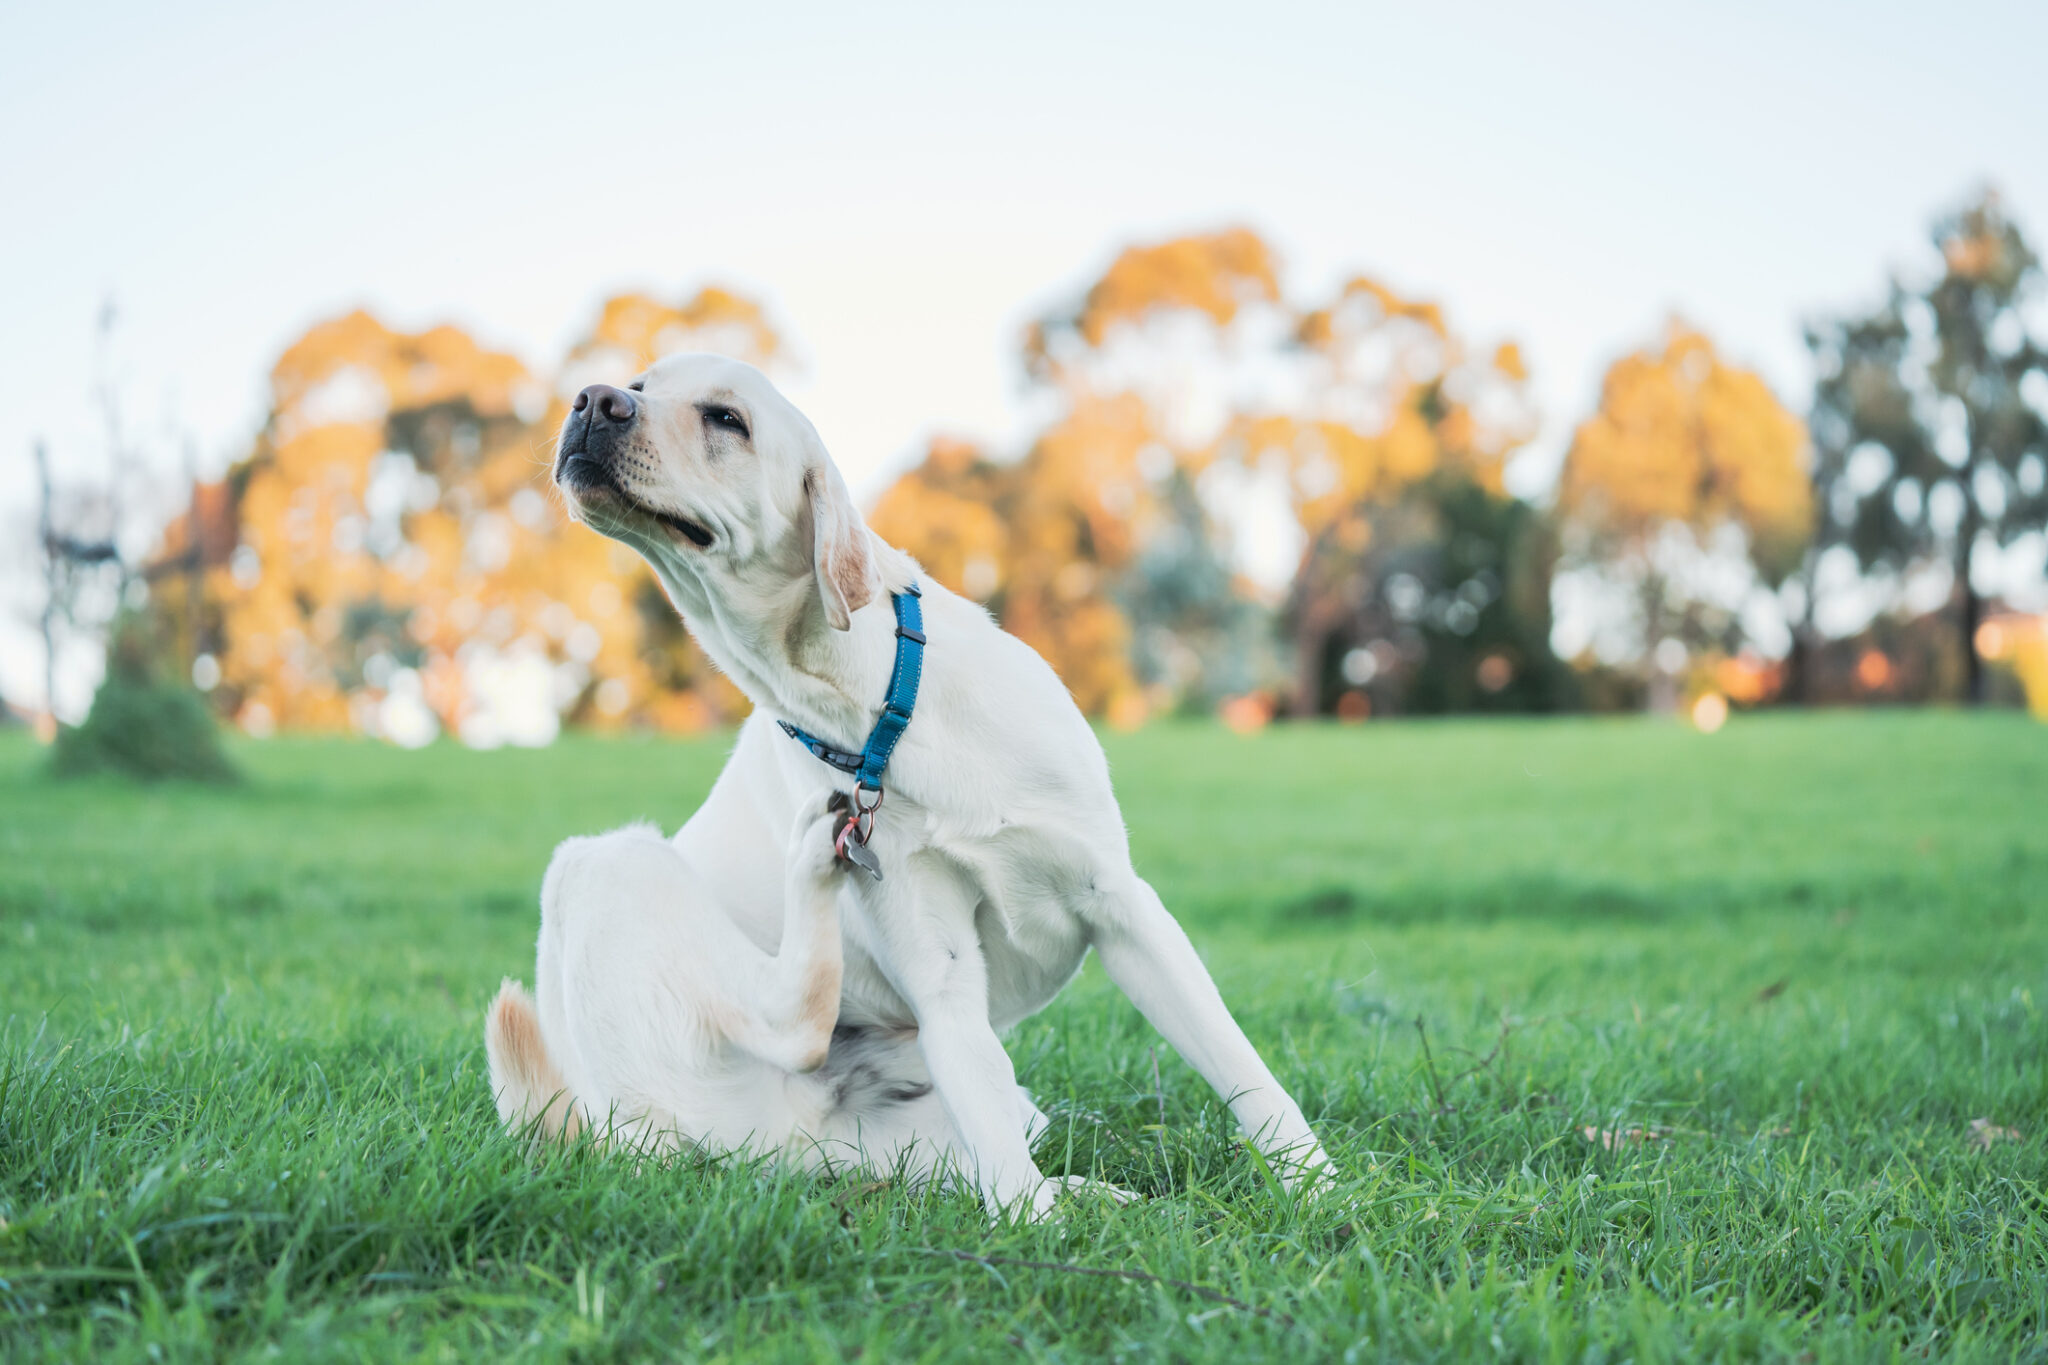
[868, 765]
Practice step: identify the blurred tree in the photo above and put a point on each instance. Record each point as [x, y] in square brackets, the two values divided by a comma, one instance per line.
[948, 511]
[71, 561]
[1199, 635]
[87, 530]
[1437, 600]
[1686, 458]
[370, 519]
[1182, 369]
[1053, 542]
[141, 726]
[398, 564]
[1930, 416]
[1031, 543]
[634, 330]
[1394, 398]
[1215, 276]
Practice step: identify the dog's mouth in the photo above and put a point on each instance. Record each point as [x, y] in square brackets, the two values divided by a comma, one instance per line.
[584, 476]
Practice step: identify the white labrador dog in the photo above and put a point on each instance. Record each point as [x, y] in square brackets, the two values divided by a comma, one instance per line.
[1003, 855]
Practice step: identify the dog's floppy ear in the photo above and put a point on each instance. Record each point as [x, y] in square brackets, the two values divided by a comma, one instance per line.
[840, 554]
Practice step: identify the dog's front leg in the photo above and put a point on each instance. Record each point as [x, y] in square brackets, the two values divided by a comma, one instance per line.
[932, 954]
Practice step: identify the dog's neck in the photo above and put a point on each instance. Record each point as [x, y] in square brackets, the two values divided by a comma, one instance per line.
[777, 646]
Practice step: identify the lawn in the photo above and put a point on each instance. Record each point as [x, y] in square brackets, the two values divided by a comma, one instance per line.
[1631, 1043]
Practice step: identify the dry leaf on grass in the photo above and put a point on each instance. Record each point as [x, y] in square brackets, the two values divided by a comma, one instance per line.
[860, 1191]
[1984, 1134]
[1614, 1139]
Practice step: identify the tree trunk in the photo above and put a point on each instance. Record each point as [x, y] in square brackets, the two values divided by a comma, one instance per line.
[1660, 688]
[1973, 615]
[1805, 651]
[48, 528]
[195, 569]
[1310, 641]
[1972, 605]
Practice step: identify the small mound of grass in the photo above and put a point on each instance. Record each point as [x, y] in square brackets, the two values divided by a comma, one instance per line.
[141, 727]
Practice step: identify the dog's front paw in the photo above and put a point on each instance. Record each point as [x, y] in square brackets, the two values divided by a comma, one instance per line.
[814, 845]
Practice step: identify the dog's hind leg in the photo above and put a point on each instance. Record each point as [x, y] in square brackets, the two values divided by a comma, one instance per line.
[1148, 956]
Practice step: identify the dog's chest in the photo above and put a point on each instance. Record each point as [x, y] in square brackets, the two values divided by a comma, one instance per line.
[1029, 940]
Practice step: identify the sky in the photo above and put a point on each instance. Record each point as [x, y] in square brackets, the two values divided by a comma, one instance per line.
[908, 185]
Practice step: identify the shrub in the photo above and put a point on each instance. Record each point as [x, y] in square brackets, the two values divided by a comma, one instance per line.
[142, 727]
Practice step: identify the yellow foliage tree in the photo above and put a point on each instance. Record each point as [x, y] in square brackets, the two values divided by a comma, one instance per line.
[1043, 539]
[1389, 396]
[1395, 397]
[1216, 275]
[635, 330]
[1022, 539]
[1683, 438]
[401, 561]
[1685, 449]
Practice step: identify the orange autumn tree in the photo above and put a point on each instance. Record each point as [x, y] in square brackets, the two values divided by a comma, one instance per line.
[1164, 374]
[1033, 541]
[1045, 540]
[402, 566]
[352, 552]
[1394, 397]
[635, 330]
[1687, 460]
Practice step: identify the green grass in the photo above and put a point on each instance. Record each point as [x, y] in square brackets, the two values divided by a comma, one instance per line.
[243, 1109]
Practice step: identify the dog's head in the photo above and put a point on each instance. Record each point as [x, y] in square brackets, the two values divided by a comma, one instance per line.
[716, 478]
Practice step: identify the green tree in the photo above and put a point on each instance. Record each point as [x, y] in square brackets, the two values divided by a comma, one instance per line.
[1930, 415]
[1689, 468]
[1435, 601]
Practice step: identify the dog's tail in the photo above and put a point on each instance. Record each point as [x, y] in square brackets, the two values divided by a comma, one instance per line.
[524, 1077]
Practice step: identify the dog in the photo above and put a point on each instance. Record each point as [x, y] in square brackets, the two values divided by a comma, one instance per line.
[1001, 852]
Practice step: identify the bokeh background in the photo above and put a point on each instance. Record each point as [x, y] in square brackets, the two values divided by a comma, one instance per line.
[1315, 361]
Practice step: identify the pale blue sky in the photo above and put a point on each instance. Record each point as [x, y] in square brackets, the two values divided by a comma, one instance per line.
[907, 184]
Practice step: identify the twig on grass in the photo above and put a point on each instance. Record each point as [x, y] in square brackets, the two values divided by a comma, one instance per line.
[1099, 1272]
[1436, 1086]
[1497, 1053]
[1485, 1063]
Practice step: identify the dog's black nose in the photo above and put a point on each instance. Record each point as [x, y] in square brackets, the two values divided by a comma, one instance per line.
[603, 403]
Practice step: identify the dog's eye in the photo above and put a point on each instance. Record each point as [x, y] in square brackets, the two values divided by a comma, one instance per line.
[724, 417]
[638, 386]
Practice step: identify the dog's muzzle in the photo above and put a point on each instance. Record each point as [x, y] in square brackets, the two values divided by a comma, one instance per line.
[598, 421]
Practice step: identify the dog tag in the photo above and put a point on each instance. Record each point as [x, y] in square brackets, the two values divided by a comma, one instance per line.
[863, 857]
